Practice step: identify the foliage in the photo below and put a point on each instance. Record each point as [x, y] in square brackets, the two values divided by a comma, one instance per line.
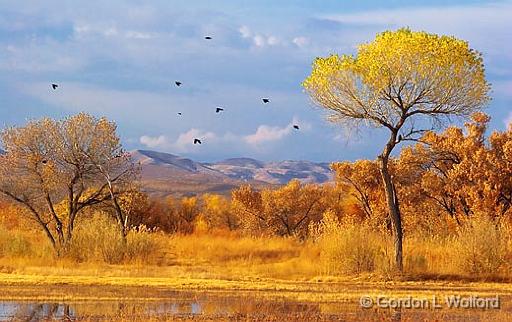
[77, 162]
[286, 211]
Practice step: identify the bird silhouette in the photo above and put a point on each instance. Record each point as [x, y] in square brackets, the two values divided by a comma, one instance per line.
[54, 86]
[44, 162]
[208, 38]
[179, 113]
[219, 109]
[177, 83]
[296, 127]
[197, 141]
[265, 100]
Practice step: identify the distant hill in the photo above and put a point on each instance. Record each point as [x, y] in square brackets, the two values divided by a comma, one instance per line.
[168, 174]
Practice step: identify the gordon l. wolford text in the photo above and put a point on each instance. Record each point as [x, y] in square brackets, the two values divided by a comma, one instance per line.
[434, 302]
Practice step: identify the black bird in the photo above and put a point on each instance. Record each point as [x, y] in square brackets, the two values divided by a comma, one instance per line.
[177, 83]
[208, 38]
[296, 127]
[265, 100]
[44, 162]
[219, 109]
[179, 113]
[197, 141]
[54, 86]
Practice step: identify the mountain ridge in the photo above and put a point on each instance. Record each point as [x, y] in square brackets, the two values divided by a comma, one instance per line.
[166, 173]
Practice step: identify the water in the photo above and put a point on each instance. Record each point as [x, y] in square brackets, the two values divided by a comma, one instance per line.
[198, 306]
[184, 308]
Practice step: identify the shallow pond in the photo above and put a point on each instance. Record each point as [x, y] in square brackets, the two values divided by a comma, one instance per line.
[203, 306]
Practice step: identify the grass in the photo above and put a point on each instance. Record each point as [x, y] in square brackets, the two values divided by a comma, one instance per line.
[339, 263]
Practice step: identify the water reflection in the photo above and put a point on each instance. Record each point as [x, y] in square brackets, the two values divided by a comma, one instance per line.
[222, 307]
[212, 307]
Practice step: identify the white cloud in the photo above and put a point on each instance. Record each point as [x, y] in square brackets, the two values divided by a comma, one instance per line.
[471, 22]
[186, 140]
[245, 32]
[154, 141]
[183, 143]
[259, 41]
[266, 133]
[272, 41]
[300, 41]
[139, 35]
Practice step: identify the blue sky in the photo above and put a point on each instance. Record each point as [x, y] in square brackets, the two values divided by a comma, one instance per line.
[120, 59]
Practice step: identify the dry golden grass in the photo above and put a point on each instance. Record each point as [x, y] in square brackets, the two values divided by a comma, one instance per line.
[335, 249]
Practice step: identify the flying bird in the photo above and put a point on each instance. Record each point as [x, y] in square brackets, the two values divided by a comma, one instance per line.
[219, 109]
[197, 141]
[296, 127]
[179, 113]
[44, 162]
[54, 86]
[208, 38]
[265, 100]
[177, 83]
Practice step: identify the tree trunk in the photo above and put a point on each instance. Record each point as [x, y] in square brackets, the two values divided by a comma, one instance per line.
[394, 210]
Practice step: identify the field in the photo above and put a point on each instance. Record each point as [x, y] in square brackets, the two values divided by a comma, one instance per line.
[225, 276]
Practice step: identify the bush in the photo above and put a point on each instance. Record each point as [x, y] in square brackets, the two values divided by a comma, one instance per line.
[14, 244]
[99, 239]
[346, 247]
[480, 248]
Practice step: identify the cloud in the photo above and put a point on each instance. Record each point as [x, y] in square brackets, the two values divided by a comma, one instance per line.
[154, 141]
[486, 19]
[139, 35]
[186, 140]
[183, 143]
[245, 32]
[267, 133]
[300, 41]
[258, 40]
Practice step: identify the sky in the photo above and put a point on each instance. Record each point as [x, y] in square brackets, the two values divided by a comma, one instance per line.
[120, 59]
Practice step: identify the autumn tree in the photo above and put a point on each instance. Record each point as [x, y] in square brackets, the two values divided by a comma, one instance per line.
[49, 163]
[284, 211]
[361, 179]
[247, 206]
[217, 212]
[464, 172]
[404, 82]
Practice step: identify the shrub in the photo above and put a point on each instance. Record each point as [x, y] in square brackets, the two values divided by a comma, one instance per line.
[346, 247]
[99, 239]
[14, 244]
[480, 247]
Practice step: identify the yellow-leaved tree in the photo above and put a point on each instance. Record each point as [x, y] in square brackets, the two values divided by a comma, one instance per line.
[406, 82]
[77, 163]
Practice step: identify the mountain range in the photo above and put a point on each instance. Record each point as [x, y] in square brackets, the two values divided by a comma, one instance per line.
[168, 174]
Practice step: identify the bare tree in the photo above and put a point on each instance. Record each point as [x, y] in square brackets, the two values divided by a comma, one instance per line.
[56, 169]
